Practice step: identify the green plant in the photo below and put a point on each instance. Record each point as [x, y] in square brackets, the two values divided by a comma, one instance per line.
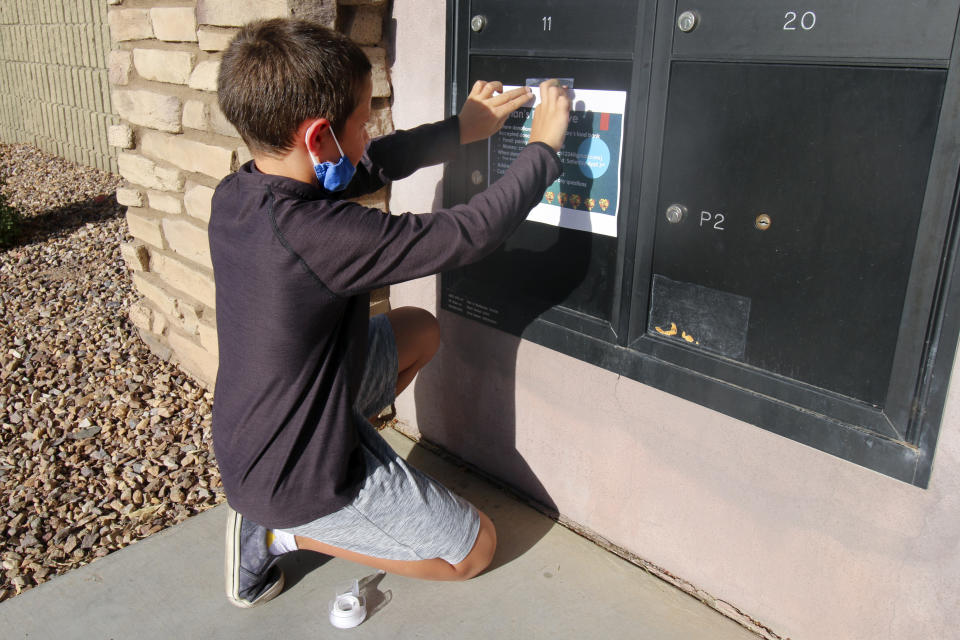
[9, 222]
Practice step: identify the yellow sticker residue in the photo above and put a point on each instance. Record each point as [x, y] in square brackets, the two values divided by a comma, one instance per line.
[671, 332]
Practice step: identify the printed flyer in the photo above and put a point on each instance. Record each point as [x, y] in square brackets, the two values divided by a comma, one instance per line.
[587, 194]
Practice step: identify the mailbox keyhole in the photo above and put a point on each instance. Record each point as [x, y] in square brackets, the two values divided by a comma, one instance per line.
[687, 21]
[676, 213]
[478, 22]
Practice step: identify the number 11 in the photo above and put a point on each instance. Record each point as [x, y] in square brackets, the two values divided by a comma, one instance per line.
[547, 23]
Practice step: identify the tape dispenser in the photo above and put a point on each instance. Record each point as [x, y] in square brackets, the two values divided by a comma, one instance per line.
[348, 609]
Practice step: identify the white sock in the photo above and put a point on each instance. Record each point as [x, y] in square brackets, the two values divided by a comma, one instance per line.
[281, 542]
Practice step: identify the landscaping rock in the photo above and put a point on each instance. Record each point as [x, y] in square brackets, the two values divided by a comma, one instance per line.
[101, 442]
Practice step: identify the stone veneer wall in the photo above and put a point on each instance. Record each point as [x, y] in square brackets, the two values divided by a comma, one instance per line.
[53, 73]
[175, 146]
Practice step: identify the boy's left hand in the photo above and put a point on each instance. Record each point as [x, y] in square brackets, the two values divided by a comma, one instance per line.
[484, 112]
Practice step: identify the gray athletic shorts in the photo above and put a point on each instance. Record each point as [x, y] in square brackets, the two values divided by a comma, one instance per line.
[400, 512]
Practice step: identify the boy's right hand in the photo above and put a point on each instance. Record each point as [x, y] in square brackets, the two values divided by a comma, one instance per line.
[552, 115]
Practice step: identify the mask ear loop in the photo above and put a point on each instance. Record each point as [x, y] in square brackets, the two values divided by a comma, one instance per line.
[337, 142]
[313, 156]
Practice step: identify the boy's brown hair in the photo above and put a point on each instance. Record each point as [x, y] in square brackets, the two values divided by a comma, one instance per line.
[277, 73]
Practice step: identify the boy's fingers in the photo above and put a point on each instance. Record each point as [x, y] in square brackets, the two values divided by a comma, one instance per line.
[509, 101]
[546, 85]
[557, 96]
[490, 88]
[509, 96]
[552, 90]
[477, 87]
[513, 103]
[554, 93]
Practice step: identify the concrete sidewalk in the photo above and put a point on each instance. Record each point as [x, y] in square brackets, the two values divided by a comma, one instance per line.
[547, 582]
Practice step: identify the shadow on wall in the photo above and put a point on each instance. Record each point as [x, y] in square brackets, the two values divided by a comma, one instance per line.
[466, 396]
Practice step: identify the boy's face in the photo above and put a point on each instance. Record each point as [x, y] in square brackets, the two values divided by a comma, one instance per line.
[354, 137]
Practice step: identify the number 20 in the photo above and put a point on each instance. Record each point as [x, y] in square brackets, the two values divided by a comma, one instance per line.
[807, 21]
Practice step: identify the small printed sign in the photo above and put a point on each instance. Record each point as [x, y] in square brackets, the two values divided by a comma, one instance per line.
[587, 194]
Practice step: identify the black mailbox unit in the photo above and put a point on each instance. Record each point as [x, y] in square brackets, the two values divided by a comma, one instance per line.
[786, 229]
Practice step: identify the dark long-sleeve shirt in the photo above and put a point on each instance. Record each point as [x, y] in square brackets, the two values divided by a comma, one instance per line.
[294, 266]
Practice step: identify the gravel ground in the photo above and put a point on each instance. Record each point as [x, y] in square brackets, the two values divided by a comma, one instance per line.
[101, 442]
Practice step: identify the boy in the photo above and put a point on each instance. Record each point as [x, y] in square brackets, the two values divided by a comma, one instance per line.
[302, 368]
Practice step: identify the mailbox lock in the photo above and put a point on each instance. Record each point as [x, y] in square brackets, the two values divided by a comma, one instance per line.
[478, 23]
[476, 177]
[763, 222]
[687, 21]
[676, 213]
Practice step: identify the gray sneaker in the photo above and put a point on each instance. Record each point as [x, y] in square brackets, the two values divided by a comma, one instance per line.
[251, 577]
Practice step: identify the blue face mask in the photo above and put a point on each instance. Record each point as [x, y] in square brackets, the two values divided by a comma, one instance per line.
[334, 177]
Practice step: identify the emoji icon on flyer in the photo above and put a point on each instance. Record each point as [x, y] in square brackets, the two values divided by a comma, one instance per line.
[591, 203]
[562, 199]
[575, 201]
[549, 195]
[604, 203]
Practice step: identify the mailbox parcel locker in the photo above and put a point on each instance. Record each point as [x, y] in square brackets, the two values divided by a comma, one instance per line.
[781, 241]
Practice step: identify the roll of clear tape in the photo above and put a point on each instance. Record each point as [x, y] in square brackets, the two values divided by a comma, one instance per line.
[348, 609]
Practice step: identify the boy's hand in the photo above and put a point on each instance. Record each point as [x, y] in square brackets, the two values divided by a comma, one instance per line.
[484, 113]
[552, 115]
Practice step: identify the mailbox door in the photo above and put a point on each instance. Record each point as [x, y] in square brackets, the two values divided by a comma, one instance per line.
[803, 187]
[919, 32]
[795, 219]
[567, 276]
[600, 28]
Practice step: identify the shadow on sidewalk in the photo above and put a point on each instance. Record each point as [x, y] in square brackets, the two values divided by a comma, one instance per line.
[298, 564]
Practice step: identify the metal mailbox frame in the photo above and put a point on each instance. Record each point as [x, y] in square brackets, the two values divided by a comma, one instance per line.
[930, 323]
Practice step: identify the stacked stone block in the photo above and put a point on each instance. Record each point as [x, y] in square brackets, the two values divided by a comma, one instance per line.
[175, 145]
[53, 71]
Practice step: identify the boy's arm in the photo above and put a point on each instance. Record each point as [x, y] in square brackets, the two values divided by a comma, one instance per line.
[353, 249]
[399, 154]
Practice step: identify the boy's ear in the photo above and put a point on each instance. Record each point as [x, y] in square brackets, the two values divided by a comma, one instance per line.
[314, 134]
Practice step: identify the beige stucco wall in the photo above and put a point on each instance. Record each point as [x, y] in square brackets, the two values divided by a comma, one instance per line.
[53, 74]
[810, 545]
